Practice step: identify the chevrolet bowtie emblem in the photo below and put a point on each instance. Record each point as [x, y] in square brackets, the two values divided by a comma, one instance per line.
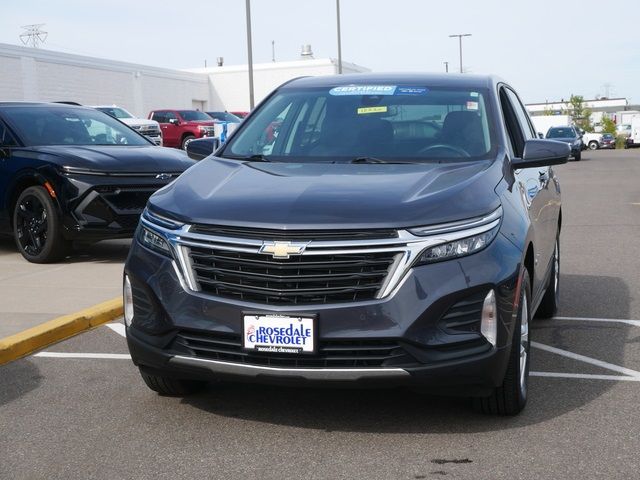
[282, 249]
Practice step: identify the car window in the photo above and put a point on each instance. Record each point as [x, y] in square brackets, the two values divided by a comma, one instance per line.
[159, 117]
[194, 115]
[170, 116]
[514, 132]
[69, 126]
[116, 112]
[419, 123]
[6, 139]
[224, 117]
[523, 117]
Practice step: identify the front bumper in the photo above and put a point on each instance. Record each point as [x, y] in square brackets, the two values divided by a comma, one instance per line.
[180, 333]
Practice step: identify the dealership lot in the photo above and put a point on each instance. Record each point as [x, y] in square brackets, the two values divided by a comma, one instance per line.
[90, 416]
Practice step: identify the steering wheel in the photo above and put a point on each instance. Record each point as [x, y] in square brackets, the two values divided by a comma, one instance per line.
[442, 146]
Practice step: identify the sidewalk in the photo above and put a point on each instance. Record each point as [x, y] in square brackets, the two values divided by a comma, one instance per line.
[31, 294]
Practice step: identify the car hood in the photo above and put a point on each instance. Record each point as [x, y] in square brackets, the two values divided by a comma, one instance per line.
[317, 196]
[118, 159]
[138, 121]
[563, 139]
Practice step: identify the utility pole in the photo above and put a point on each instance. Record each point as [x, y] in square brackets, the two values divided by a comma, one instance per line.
[249, 54]
[446, 67]
[273, 50]
[460, 35]
[33, 35]
[339, 39]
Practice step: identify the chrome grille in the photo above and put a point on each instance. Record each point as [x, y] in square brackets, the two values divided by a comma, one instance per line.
[297, 280]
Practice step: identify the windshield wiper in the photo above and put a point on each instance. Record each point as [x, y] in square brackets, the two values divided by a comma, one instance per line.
[258, 157]
[374, 160]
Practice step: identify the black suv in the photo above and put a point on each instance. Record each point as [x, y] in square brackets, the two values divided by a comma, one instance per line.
[74, 173]
[398, 230]
[571, 136]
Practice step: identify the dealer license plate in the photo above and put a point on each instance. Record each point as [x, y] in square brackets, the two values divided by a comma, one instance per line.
[278, 333]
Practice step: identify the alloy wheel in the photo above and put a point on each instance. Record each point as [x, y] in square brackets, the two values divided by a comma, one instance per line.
[31, 225]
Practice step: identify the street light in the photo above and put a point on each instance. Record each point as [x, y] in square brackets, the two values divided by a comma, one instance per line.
[460, 35]
[339, 41]
[249, 54]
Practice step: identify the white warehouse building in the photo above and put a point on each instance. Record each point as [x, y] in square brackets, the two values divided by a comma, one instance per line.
[29, 74]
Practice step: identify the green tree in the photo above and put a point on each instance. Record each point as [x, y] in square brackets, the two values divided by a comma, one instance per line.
[608, 125]
[580, 114]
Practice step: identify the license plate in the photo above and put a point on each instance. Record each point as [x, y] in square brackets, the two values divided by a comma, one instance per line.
[279, 333]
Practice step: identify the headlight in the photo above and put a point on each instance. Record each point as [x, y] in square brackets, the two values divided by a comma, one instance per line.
[154, 241]
[457, 248]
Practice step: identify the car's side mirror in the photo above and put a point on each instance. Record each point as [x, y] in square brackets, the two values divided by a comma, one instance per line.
[4, 153]
[202, 148]
[542, 153]
[174, 121]
[540, 135]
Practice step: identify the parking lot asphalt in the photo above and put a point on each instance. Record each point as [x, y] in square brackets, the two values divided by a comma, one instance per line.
[31, 294]
[91, 417]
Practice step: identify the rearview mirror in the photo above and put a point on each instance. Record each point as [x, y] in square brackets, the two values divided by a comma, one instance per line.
[542, 153]
[202, 147]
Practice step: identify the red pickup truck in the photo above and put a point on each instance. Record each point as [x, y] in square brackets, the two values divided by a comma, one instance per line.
[179, 127]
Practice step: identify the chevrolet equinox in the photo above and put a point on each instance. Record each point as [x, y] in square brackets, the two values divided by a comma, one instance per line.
[355, 230]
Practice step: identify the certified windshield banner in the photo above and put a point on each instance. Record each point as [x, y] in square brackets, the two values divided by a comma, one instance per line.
[363, 90]
[377, 90]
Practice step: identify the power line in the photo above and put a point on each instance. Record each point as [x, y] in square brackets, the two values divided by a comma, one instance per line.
[33, 35]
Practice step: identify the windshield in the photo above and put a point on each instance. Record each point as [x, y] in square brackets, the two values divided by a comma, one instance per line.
[384, 122]
[194, 115]
[224, 117]
[561, 133]
[69, 126]
[115, 112]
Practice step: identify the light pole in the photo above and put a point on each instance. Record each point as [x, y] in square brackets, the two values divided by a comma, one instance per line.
[339, 40]
[460, 35]
[446, 67]
[249, 54]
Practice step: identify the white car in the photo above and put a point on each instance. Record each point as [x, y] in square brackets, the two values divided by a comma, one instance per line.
[148, 128]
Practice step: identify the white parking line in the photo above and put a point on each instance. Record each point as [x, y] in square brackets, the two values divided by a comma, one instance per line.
[112, 356]
[586, 376]
[585, 359]
[635, 323]
[118, 328]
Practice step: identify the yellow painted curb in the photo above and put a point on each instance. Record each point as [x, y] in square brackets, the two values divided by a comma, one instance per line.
[61, 328]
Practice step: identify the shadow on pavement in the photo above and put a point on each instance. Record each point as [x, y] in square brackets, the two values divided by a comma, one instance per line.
[16, 379]
[108, 251]
[406, 411]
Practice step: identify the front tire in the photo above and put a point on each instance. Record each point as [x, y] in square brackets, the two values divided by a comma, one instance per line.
[37, 228]
[511, 396]
[578, 156]
[593, 145]
[549, 305]
[186, 140]
[171, 387]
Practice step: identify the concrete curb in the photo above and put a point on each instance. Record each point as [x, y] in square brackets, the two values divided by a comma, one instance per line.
[61, 328]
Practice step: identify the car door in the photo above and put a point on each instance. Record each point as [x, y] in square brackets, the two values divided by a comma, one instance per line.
[7, 167]
[168, 130]
[536, 186]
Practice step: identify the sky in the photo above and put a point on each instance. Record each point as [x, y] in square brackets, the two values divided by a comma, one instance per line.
[547, 50]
